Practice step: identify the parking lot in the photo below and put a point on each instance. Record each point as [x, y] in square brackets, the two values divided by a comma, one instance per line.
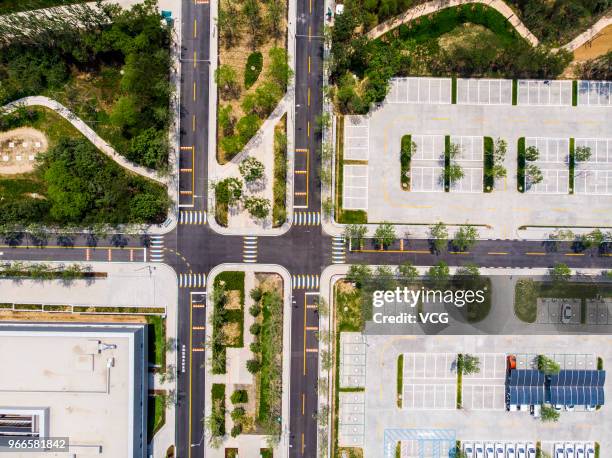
[356, 138]
[502, 449]
[486, 389]
[594, 176]
[553, 162]
[505, 210]
[599, 311]
[470, 159]
[420, 90]
[355, 187]
[567, 361]
[430, 381]
[570, 448]
[550, 311]
[472, 91]
[595, 93]
[544, 92]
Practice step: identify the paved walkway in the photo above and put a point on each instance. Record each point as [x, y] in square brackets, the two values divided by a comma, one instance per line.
[589, 34]
[87, 131]
[436, 5]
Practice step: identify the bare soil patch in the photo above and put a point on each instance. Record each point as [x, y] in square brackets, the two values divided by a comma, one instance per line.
[231, 333]
[601, 44]
[19, 149]
[233, 300]
[270, 282]
[9, 315]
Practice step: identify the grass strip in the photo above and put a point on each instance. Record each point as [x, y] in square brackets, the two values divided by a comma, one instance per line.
[447, 145]
[217, 417]
[514, 92]
[156, 415]
[156, 333]
[572, 165]
[400, 379]
[520, 169]
[489, 181]
[454, 90]
[574, 93]
[279, 210]
[405, 156]
[459, 380]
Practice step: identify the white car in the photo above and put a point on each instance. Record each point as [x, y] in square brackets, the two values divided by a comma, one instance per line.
[559, 451]
[489, 451]
[579, 451]
[570, 408]
[520, 451]
[569, 451]
[479, 450]
[531, 451]
[468, 449]
[510, 451]
[499, 451]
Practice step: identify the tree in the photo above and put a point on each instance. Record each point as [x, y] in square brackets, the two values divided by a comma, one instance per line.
[279, 70]
[251, 169]
[532, 154]
[499, 156]
[251, 12]
[385, 234]
[560, 273]
[253, 366]
[439, 274]
[465, 238]
[226, 79]
[125, 112]
[239, 397]
[582, 153]
[454, 150]
[408, 272]
[468, 271]
[149, 148]
[360, 274]
[228, 191]
[326, 360]
[276, 11]
[355, 232]
[228, 23]
[549, 414]
[470, 364]
[548, 365]
[258, 207]
[534, 174]
[453, 173]
[439, 235]
[247, 127]
[148, 207]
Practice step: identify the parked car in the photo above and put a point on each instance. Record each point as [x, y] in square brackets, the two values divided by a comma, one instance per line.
[479, 451]
[531, 451]
[521, 451]
[468, 449]
[569, 451]
[536, 410]
[510, 451]
[579, 451]
[570, 408]
[558, 407]
[566, 313]
[559, 451]
[489, 451]
[591, 408]
[499, 451]
[590, 452]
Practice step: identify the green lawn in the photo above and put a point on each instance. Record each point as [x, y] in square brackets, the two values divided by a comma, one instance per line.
[279, 211]
[156, 416]
[156, 331]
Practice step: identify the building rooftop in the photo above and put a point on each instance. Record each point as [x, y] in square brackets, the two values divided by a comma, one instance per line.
[85, 382]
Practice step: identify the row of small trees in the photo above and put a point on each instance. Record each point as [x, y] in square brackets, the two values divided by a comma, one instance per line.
[464, 238]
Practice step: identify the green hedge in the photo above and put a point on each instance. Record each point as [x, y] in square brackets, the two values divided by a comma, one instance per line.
[217, 418]
[520, 170]
[489, 181]
[253, 67]
[353, 217]
[574, 93]
[405, 156]
[514, 92]
[447, 145]
[400, 379]
[454, 90]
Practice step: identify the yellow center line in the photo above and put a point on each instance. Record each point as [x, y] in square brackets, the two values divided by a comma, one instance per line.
[193, 122]
[309, 33]
[195, 59]
[194, 91]
[304, 334]
[310, 6]
[497, 252]
[302, 443]
[308, 96]
[195, 28]
[308, 128]
[535, 253]
[459, 252]
[308, 64]
[574, 254]
[303, 402]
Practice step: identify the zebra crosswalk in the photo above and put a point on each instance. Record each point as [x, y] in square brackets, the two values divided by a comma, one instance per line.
[192, 280]
[156, 248]
[192, 217]
[249, 249]
[305, 281]
[338, 250]
[306, 218]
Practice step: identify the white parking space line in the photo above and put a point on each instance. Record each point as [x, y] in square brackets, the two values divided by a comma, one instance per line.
[356, 138]
[428, 147]
[471, 148]
[430, 381]
[427, 179]
[552, 150]
[355, 187]
[472, 91]
[471, 182]
[595, 93]
[420, 90]
[554, 181]
[601, 149]
[544, 92]
[596, 182]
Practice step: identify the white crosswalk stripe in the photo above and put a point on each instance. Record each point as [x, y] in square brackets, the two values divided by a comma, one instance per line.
[305, 281]
[307, 218]
[156, 248]
[338, 250]
[249, 249]
[192, 217]
[192, 280]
